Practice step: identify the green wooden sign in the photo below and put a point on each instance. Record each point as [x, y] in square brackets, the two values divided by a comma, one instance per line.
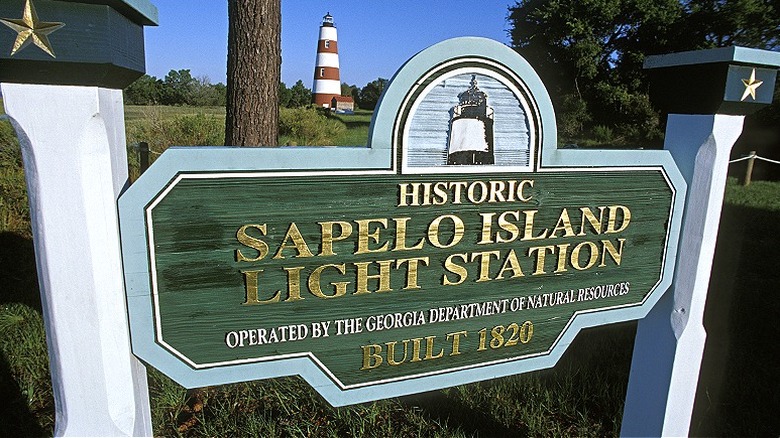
[460, 245]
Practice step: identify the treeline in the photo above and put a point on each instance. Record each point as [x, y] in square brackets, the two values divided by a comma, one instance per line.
[590, 55]
[179, 87]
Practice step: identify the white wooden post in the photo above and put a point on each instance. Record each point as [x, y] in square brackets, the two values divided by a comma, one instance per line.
[75, 160]
[707, 94]
[670, 340]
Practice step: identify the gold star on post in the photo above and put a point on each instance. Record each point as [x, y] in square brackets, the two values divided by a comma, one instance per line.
[750, 86]
[30, 29]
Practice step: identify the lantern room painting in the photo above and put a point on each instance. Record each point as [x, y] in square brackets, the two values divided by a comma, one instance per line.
[467, 120]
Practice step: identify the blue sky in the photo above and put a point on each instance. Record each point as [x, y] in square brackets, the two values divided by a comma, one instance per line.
[375, 37]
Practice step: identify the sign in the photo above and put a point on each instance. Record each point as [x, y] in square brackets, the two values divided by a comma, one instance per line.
[460, 245]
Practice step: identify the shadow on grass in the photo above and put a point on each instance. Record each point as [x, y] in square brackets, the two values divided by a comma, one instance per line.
[737, 393]
[457, 414]
[15, 417]
[355, 124]
[17, 271]
[352, 121]
[582, 395]
[19, 292]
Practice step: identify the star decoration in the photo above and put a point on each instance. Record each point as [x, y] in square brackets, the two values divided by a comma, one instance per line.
[750, 86]
[30, 29]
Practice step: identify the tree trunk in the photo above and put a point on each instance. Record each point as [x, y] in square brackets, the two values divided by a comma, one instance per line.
[253, 72]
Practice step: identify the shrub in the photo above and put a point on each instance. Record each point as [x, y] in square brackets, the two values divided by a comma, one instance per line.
[603, 134]
[306, 126]
[179, 130]
[573, 117]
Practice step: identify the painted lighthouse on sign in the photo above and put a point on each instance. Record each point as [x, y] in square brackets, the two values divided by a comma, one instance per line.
[468, 120]
[471, 128]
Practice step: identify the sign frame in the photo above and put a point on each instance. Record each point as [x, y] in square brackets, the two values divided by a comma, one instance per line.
[379, 157]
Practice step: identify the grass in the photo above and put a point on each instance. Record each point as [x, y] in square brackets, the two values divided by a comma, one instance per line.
[581, 396]
[135, 113]
[357, 128]
[760, 195]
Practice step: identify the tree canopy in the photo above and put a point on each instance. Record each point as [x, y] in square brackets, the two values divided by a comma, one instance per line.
[370, 94]
[590, 52]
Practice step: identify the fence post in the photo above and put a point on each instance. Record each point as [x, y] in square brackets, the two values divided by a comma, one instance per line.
[64, 100]
[749, 171]
[699, 135]
[143, 148]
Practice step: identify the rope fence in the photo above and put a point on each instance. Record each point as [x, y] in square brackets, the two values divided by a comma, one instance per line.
[751, 159]
[754, 156]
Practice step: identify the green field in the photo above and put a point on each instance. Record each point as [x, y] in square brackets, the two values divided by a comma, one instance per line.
[581, 396]
[137, 118]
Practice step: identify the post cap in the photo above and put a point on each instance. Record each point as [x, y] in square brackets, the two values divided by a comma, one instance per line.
[141, 12]
[728, 80]
[74, 42]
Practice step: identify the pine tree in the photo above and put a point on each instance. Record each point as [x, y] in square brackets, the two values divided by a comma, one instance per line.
[253, 72]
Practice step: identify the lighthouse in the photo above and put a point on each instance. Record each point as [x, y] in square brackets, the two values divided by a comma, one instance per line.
[471, 128]
[327, 83]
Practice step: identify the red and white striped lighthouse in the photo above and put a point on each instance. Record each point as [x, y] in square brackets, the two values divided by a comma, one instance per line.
[327, 83]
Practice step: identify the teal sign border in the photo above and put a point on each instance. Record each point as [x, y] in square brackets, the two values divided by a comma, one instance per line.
[379, 156]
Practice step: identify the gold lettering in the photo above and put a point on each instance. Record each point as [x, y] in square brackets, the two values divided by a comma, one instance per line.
[510, 263]
[391, 352]
[426, 194]
[364, 235]
[457, 196]
[371, 356]
[245, 239]
[294, 234]
[484, 263]
[315, 286]
[497, 191]
[416, 350]
[252, 289]
[563, 224]
[328, 238]
[404, 194]
[541, 252]
[400, 236]
[562, 251]
[575, 256]
[429, 349]
[363, 277]
[511, 228]
[608, 248]
[456, 269]
[456, 341]
[520, 190]
[614, 212]
[511, 191]
[458, 230]
[411, 271]
[487, 232]
[294, 283]
[529, 226]
[483, 192]
[588, 215]
[440, 193]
